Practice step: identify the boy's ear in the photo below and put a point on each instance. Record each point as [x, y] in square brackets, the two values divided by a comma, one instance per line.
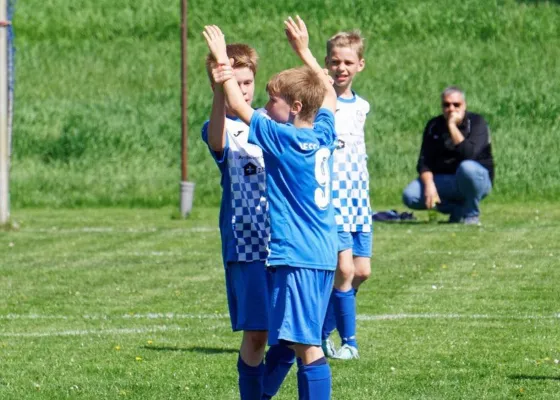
[296, 107]
[327, 61]
[361, 65]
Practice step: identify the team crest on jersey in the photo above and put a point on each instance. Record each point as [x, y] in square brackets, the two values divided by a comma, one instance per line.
[249, 169]
[341, 144]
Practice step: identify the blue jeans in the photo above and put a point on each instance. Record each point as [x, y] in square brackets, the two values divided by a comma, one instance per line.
[460, 194]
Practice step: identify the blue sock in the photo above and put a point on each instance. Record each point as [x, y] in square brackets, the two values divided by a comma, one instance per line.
[278, 361]
[330, 320]
[250, 380]
[345, 312]
[314, 381]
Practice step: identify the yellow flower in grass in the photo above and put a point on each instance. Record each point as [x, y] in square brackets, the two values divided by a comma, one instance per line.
[117, 347]
[138, 358]
[150, 342]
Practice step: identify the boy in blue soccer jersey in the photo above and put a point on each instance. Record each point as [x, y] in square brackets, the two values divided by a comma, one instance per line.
[244, 227]
[303, 239]
[350, 182]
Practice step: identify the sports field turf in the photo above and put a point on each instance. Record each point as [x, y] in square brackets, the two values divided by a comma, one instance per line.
[120, 303]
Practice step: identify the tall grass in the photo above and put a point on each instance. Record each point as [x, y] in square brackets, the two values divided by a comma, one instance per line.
[98, 117]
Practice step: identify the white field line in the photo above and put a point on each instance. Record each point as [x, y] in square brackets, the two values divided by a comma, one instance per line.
[173, 316]
[108, 229]
[549, 251]
[94, 332]
[179, 316]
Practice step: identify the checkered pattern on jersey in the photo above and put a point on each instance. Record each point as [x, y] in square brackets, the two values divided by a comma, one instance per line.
[250, 224]
[350, 193]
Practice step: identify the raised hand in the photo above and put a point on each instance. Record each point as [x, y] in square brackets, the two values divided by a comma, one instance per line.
[296, 31]
[216, 43]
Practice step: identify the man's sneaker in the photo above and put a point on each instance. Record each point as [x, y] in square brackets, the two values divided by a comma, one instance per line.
[474, 220]
[328, 348]
[347, 352]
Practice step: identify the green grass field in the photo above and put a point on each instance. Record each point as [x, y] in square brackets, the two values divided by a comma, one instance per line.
[119, 303]
[101, 300]
[97, 119]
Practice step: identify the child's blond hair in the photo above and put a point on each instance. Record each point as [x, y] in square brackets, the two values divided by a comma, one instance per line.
[299, 84]
[352, 39]
[244, 56]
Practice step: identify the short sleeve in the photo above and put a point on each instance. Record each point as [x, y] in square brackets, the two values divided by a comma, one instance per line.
[218, 157]
[264, 133]
[324, 121]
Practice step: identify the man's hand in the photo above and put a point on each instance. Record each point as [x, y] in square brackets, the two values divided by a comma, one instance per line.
[296, 31]
[454, 119]
[431, 196]
[216, 43]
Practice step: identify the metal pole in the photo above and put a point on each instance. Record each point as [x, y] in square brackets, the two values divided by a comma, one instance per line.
[4, 139]
[187, 188]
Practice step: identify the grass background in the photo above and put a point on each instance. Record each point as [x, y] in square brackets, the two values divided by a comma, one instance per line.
[118, 303]
[97, 119]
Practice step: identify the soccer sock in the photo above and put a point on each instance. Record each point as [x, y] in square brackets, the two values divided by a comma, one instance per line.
[314, 380]
[278, 361]
[250, 380]
[345, 312]
[330, 320]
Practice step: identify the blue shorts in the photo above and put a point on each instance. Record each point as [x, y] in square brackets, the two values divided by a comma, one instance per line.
[248, 293]
[300, 297]
[360, 243]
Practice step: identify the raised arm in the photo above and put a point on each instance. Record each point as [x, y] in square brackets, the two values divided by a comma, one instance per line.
[217, 122]
[296, 31]
[217, 46]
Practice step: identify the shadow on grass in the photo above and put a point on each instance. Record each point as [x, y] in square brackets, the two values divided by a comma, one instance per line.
[193, 349]
[534, 377]
[407, 222]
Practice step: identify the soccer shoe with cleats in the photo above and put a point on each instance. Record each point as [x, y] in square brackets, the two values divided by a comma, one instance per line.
[328, 348]
[347, 352]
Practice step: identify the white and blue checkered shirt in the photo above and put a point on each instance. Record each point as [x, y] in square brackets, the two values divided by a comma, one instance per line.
[249, 207]
[350, 180]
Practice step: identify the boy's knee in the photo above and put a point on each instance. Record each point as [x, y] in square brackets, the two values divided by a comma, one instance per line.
[256, 340]
[362, 269]
[344, 272]
[362, 275]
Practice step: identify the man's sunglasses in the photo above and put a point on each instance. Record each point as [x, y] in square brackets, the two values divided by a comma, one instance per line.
[447, 105]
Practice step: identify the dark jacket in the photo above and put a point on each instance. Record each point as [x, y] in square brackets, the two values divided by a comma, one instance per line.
[440, 156]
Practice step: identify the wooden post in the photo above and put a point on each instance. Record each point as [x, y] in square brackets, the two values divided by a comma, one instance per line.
[4, 134]
[186, 188]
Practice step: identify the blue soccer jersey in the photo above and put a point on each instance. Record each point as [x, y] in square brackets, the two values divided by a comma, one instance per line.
[298, 168]
[350, 187]
[244, 223]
